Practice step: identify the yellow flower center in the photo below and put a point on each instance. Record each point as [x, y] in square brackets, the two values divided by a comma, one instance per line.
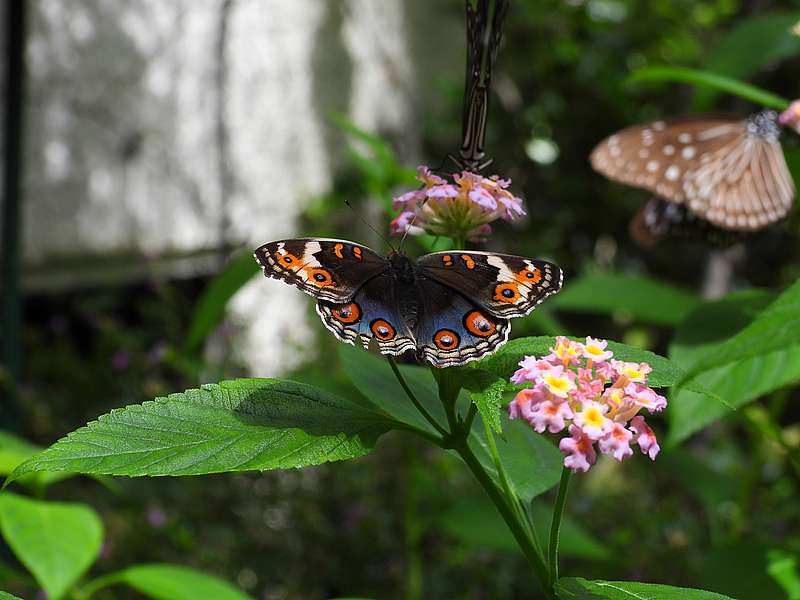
[593, 417]
[595, 350]
[557, 385]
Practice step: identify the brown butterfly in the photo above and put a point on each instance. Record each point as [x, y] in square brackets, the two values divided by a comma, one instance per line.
[728, 172]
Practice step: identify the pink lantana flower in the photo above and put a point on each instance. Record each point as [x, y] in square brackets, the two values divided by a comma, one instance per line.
[645, 437]
[581, 388]
[462, 208]
[578, 450]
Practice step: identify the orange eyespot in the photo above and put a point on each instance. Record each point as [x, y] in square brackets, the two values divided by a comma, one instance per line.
[528, 277]
[470, 264]
[337, 250]
[319, 277]
[447, 260]
[383, 330]
[357, 252]
[346, 313]
[478, 324]
[446, 339]
[506, 292]
[288, 261]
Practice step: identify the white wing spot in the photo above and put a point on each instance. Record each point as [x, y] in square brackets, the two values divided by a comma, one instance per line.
[615, 150]
[643, 153]
[672, 173]
[669, 149]
[688, 152]
[685, 138]
[652, 166]
[659, 125]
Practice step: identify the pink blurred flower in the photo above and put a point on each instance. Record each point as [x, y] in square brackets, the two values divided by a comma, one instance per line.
[582, 388]
[578, 450]
[791, 116]
[461, 209]
[645, 437]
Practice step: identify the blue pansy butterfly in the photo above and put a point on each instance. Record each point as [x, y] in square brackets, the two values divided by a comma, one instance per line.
[449, 308]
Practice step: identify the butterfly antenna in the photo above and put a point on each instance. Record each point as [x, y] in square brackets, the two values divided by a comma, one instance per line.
[370, 225]
[409, 226]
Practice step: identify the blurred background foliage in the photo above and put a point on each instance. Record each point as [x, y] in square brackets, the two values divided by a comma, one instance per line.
[717, 510]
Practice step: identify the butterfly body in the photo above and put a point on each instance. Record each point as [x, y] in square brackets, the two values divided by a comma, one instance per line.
[730, 172]
[449, 308]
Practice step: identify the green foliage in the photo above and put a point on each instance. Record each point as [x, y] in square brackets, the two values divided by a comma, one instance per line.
[740, 569]
[701, 337]
[575, 588]
[173, 582]
[711, 80]
[57, 542]
[643, 298]
[210, 307]
[15, 450]
[754, 43]
[232, 426]
[775, 328]
[475, 522]
[7, 596]
[486, 391]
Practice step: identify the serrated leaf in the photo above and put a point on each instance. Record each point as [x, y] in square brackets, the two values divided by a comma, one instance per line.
[239, 425]
[576, 588]
[174, 582]
[775, 328]
[716, 81]
[643, 298]
[486, 391]
[56, 541]
[210, 308]
[741, 382]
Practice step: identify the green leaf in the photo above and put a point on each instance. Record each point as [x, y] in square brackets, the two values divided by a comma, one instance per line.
[576, 588]
[698, 478]
[783, 568]
[173, 582]
[239, 425]
[486, 391]
[643, 298]
[711, 80]
[756, 42]
[700, 337]
[475, 522]
[210, 308]
[531, 462]
[373, 377]
[7, 596]
[57, 542]
[740, 569]
[775, 328]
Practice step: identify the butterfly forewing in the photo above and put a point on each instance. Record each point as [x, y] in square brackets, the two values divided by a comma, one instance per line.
[506, 286]
[326, 269]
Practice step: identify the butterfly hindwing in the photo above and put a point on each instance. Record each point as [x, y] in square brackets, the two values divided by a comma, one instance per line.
[373, 312]
[326, 269]
[453, 330]
[506, 286]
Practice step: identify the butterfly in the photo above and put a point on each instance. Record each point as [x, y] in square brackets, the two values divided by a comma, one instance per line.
[728, 172]
[449, 308]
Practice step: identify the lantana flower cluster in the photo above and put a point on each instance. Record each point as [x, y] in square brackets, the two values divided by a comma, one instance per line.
[462, 209]
[581, 388]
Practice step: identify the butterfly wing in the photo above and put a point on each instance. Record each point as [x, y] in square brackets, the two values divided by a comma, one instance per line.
[452, 330]
[373, 312]
[327, 269]
[660, 219]
[503, 285]
[730, 172]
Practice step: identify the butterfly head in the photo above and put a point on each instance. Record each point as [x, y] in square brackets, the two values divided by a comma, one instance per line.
[764, 125]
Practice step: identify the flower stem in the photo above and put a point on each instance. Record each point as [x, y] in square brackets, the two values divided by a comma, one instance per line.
[422, 410]
[555, 526]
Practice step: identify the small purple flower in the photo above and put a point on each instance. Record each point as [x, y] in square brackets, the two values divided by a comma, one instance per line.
[156, 517]
[461, 209]
[120, 360]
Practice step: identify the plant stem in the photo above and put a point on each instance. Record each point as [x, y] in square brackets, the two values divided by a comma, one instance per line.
[422, 410]
[457, 440]
[555, 527]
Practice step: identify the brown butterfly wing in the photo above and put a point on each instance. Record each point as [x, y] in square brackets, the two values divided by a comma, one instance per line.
[656, 156]
[729, 172]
